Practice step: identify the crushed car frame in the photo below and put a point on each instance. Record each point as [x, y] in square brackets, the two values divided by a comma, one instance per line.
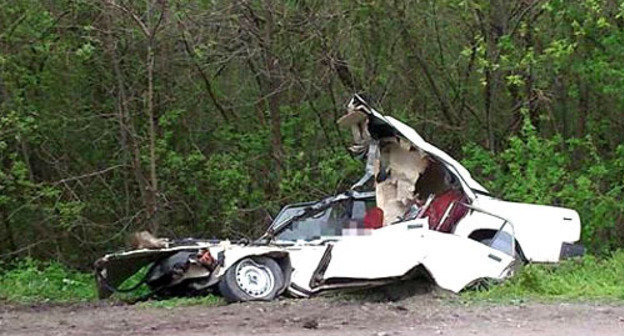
[425, 212]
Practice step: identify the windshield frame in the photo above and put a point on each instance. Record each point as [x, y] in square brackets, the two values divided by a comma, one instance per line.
[314, 208]
[304, 205]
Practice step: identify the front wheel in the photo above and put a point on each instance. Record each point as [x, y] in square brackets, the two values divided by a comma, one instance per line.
[252, 278]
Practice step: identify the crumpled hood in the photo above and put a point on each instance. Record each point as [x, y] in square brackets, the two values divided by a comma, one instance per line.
[113, 269]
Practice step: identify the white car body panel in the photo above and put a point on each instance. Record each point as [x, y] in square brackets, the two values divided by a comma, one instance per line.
[233, 253]
[304, 259]
[353, 258]
[539, 229]
[455, 262]
[390, 252]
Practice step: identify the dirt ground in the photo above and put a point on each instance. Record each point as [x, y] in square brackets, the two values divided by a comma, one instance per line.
[421, 314]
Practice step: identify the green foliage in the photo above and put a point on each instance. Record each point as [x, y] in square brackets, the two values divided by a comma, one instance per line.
[326, 175]
[554, 171]
[137, 294]
[28, 280]
[75, 135]
[579, 279]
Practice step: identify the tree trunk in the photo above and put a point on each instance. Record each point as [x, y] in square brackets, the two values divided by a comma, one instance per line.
[532, 102]
[583, 107]
[131, 151]
[493, 76]
[152, 193]
[152, 204]
[272, 93]
[273, 102]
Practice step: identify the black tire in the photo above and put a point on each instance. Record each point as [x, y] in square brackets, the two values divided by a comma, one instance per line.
[232, 290]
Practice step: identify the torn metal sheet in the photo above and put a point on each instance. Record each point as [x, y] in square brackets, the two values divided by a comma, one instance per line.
[372, 158]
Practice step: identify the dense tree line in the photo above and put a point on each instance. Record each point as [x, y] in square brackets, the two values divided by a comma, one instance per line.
[199, 118]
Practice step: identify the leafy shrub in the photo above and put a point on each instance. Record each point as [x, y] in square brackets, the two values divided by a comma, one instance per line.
[560, 172]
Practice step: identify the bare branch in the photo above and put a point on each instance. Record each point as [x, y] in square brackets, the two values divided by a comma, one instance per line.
[134, 17]
[99, 172]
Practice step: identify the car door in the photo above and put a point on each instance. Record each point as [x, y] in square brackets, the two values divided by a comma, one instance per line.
[394, 250]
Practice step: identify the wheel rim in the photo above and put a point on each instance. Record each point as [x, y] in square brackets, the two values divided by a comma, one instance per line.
[254, 279]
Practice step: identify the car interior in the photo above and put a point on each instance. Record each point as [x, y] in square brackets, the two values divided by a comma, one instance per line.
[407, 182]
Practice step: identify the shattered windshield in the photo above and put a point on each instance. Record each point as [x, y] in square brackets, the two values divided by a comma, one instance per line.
[340, 219]
[289, 212]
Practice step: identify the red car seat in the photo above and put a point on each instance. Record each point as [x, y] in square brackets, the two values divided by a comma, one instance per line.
[373, 218]
[436, 211]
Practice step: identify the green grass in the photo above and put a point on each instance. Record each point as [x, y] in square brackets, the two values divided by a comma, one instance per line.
[31, 281]
[142, 291]
[207, 300]
[587, 278]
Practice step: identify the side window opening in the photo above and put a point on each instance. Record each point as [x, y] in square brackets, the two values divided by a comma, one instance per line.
[365, 216]
[338, 218]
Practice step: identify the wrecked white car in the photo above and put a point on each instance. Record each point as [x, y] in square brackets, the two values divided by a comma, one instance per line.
[425, 212]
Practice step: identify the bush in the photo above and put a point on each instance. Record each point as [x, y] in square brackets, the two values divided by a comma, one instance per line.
[560, 172]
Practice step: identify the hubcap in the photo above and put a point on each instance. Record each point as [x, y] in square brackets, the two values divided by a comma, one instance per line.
[254, 279]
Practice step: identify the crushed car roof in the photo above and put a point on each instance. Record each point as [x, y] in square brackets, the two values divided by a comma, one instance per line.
[359, 104]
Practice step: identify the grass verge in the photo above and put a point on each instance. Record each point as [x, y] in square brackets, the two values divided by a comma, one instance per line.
[585, 279]
[207, 300]
[29, 281]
